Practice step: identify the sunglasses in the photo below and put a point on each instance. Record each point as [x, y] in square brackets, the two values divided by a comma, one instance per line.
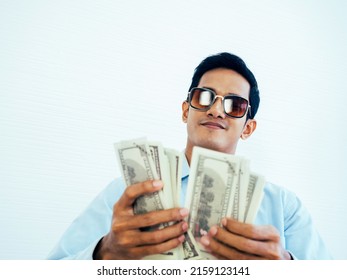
[202, 99]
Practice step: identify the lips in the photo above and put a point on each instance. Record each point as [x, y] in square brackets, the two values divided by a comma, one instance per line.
[213, 124]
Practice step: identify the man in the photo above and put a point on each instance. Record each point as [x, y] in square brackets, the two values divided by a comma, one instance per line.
[220, 109]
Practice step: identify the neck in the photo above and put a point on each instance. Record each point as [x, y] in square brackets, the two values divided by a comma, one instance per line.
[188, 154]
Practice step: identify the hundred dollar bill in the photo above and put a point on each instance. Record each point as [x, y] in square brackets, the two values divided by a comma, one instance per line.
[162, 166]
[137, 166]
[141, 161]
[239, 207]
[210, 191]
[191, 249]
[175, 162]
[254, 196]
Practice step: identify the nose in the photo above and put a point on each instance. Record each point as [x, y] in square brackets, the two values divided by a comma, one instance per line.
[217, 110]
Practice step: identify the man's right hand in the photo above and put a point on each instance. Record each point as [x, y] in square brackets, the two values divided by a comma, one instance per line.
[125, 239]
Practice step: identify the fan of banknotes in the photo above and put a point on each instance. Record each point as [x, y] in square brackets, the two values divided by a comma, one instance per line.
[219, 185]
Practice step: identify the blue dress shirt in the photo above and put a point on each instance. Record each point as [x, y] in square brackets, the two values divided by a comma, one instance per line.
[279, 207]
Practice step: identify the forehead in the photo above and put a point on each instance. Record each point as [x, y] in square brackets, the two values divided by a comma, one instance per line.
[224, 81]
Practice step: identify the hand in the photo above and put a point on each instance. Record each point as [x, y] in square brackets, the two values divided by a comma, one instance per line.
[240, 241]
[125, 239]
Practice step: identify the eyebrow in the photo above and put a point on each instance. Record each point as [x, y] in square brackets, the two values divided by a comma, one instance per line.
[210, 88]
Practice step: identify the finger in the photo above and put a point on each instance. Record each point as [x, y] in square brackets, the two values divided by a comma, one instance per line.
[157, 248]
[266, 249]
[136, 238]
[224, 251]
[238, 242]
[256, 232]
[150, 219]
[132, 192]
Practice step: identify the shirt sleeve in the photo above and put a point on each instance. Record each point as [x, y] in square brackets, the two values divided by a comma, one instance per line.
[80, 239]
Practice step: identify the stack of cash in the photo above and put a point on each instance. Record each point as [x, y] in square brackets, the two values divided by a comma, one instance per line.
[220, 185]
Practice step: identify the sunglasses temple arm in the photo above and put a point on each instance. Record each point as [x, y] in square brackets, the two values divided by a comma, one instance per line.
[249, 112]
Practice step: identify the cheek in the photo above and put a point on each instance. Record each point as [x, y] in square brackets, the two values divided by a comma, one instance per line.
[190, 125]
[191, 119]
[235, 129]
[193, 128]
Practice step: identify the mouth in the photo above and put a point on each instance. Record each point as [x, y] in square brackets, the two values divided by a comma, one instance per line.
[213, 125]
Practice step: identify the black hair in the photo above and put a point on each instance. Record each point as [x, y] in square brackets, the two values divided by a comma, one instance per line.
[233, 62]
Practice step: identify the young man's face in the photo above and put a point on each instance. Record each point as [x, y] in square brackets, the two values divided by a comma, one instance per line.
[213, 129]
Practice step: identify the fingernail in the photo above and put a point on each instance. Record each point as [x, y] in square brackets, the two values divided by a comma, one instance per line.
[157, 183]
[224, 222]
[181, 238]
[213, 231]
[184, 226]
[205, 241]
[184, 212]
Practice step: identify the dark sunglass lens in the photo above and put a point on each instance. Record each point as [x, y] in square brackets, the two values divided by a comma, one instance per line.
[235, 106]
[201, 98]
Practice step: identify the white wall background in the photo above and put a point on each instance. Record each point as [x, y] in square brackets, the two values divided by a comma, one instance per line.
[77, 76]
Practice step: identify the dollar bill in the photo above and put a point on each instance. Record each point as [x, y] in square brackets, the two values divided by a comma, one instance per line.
[141, 160]
[175, 162]
[220, 185]
[136, 162]
[211, 188]
[239, 208]
[190, 247]
[254, 196]
[162, 166]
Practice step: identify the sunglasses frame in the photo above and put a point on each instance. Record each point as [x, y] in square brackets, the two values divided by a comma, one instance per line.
[190, 95]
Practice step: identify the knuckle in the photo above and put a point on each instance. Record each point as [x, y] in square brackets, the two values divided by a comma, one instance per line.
[253, 231]
[147, 219]
[135, 190]
[274, 252]
[156, 237]
[118, 225]
[115, 227]
[129, 193]
[248, 245]
[123, 241]
[150, 238]
[175, 214]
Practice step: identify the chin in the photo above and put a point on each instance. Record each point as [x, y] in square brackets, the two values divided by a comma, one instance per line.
[219, 147]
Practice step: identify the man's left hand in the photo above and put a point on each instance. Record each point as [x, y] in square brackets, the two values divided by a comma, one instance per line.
[240, 241]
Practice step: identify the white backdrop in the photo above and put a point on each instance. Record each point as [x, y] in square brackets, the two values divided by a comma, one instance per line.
[77, 76]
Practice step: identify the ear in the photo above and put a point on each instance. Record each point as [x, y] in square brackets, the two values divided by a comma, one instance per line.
[185, 110]
[248, 129]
